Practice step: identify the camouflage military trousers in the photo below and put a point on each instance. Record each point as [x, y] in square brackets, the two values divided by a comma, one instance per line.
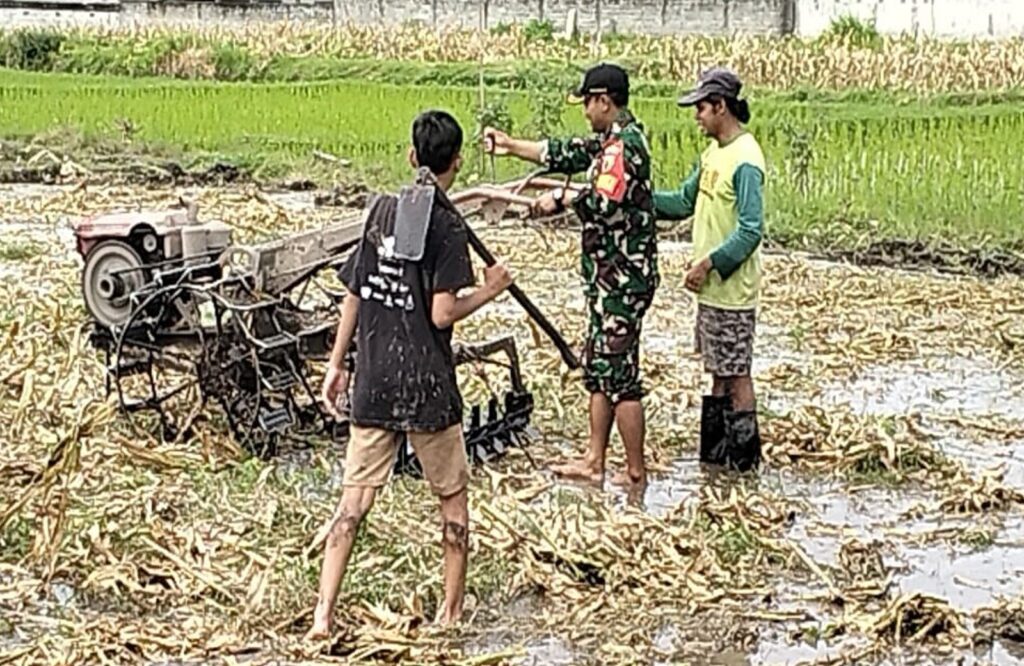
[612, 359]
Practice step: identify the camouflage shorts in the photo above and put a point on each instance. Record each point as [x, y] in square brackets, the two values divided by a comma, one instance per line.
[612, 358]
[725, 340]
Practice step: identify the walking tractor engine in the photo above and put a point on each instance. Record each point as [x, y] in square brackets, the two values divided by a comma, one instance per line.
[124, 251]
[201, 334]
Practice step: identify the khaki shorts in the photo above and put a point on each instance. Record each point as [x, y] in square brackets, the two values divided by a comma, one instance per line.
[725, 340]
[372, 452]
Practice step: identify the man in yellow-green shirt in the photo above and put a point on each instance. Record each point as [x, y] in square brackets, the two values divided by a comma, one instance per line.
[724, 195]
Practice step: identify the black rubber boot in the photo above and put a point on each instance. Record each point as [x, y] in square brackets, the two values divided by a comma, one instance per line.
[713, 443]
[743, 448]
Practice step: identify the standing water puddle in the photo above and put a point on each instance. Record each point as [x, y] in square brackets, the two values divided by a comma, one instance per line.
[833, 513]
[508, 628]
[951, 384]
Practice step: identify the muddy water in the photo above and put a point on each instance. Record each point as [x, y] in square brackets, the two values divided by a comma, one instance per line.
[937, 388]
[968, 580]
[833, 513]
[967, 577]
[509, 627]
[957, 384]
[986, 454]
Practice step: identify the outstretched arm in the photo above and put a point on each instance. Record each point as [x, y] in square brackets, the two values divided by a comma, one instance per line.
[500, 143]
[568, 156]
[605, 194]
[678, 204]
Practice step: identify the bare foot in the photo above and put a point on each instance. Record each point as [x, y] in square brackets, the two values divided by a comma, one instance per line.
[321, 629]
[626, 480]
[447, 617]
[580, 470]
[635, 495]
[635, 489]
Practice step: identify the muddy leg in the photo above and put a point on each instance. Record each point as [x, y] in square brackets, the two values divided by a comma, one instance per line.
[742, 391]
[629, 417]
[591, 467]
[353, 506]
[455, 533]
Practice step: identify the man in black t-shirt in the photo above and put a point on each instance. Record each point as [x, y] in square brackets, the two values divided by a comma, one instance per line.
[405, 382]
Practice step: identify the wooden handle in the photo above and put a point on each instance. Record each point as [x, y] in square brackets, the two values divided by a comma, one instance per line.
[535, 314]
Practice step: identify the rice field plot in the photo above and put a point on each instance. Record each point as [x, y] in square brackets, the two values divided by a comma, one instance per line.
[887, 523]
[838, 174]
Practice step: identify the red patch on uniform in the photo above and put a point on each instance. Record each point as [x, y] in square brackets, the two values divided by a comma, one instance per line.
[611, 178]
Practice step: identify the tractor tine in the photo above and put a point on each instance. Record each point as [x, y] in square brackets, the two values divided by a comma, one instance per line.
[501, 442]
[482, 454]
[526, 452]
[529, 434]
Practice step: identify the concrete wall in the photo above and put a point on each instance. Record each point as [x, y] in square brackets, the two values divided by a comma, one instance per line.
[940, 18]
[15, 18]
[651, 16]
[943, 18]
[34, 13]
[205, 13]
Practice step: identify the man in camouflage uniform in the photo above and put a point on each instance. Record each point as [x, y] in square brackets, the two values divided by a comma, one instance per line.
[619, 257]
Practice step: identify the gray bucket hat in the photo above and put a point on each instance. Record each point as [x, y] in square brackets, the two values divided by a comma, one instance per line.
[717, 81]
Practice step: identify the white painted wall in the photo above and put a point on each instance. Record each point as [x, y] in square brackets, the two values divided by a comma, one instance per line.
[940, 18]
[43, 18]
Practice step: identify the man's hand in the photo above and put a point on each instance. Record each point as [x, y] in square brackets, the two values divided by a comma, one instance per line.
[447, 308]
[496, 142]
[335, 391]
[696, 276]
[545, 204]
[497, 279]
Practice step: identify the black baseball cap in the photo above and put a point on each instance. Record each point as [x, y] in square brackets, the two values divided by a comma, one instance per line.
[717, 81]
[601, 80]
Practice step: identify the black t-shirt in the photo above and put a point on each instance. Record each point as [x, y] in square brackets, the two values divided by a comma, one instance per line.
[405, 374]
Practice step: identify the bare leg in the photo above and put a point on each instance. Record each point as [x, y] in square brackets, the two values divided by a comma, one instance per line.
[742, 391]
[720, 386]
[591, 467]
[353, 506]
[629, 417]
[455, 532]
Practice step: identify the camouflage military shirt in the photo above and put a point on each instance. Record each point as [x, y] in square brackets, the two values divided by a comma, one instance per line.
[620, 257]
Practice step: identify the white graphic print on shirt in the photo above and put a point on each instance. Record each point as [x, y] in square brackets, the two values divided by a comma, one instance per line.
[386, 286]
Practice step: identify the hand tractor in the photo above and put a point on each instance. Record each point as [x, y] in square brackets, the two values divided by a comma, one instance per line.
[199, 332]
